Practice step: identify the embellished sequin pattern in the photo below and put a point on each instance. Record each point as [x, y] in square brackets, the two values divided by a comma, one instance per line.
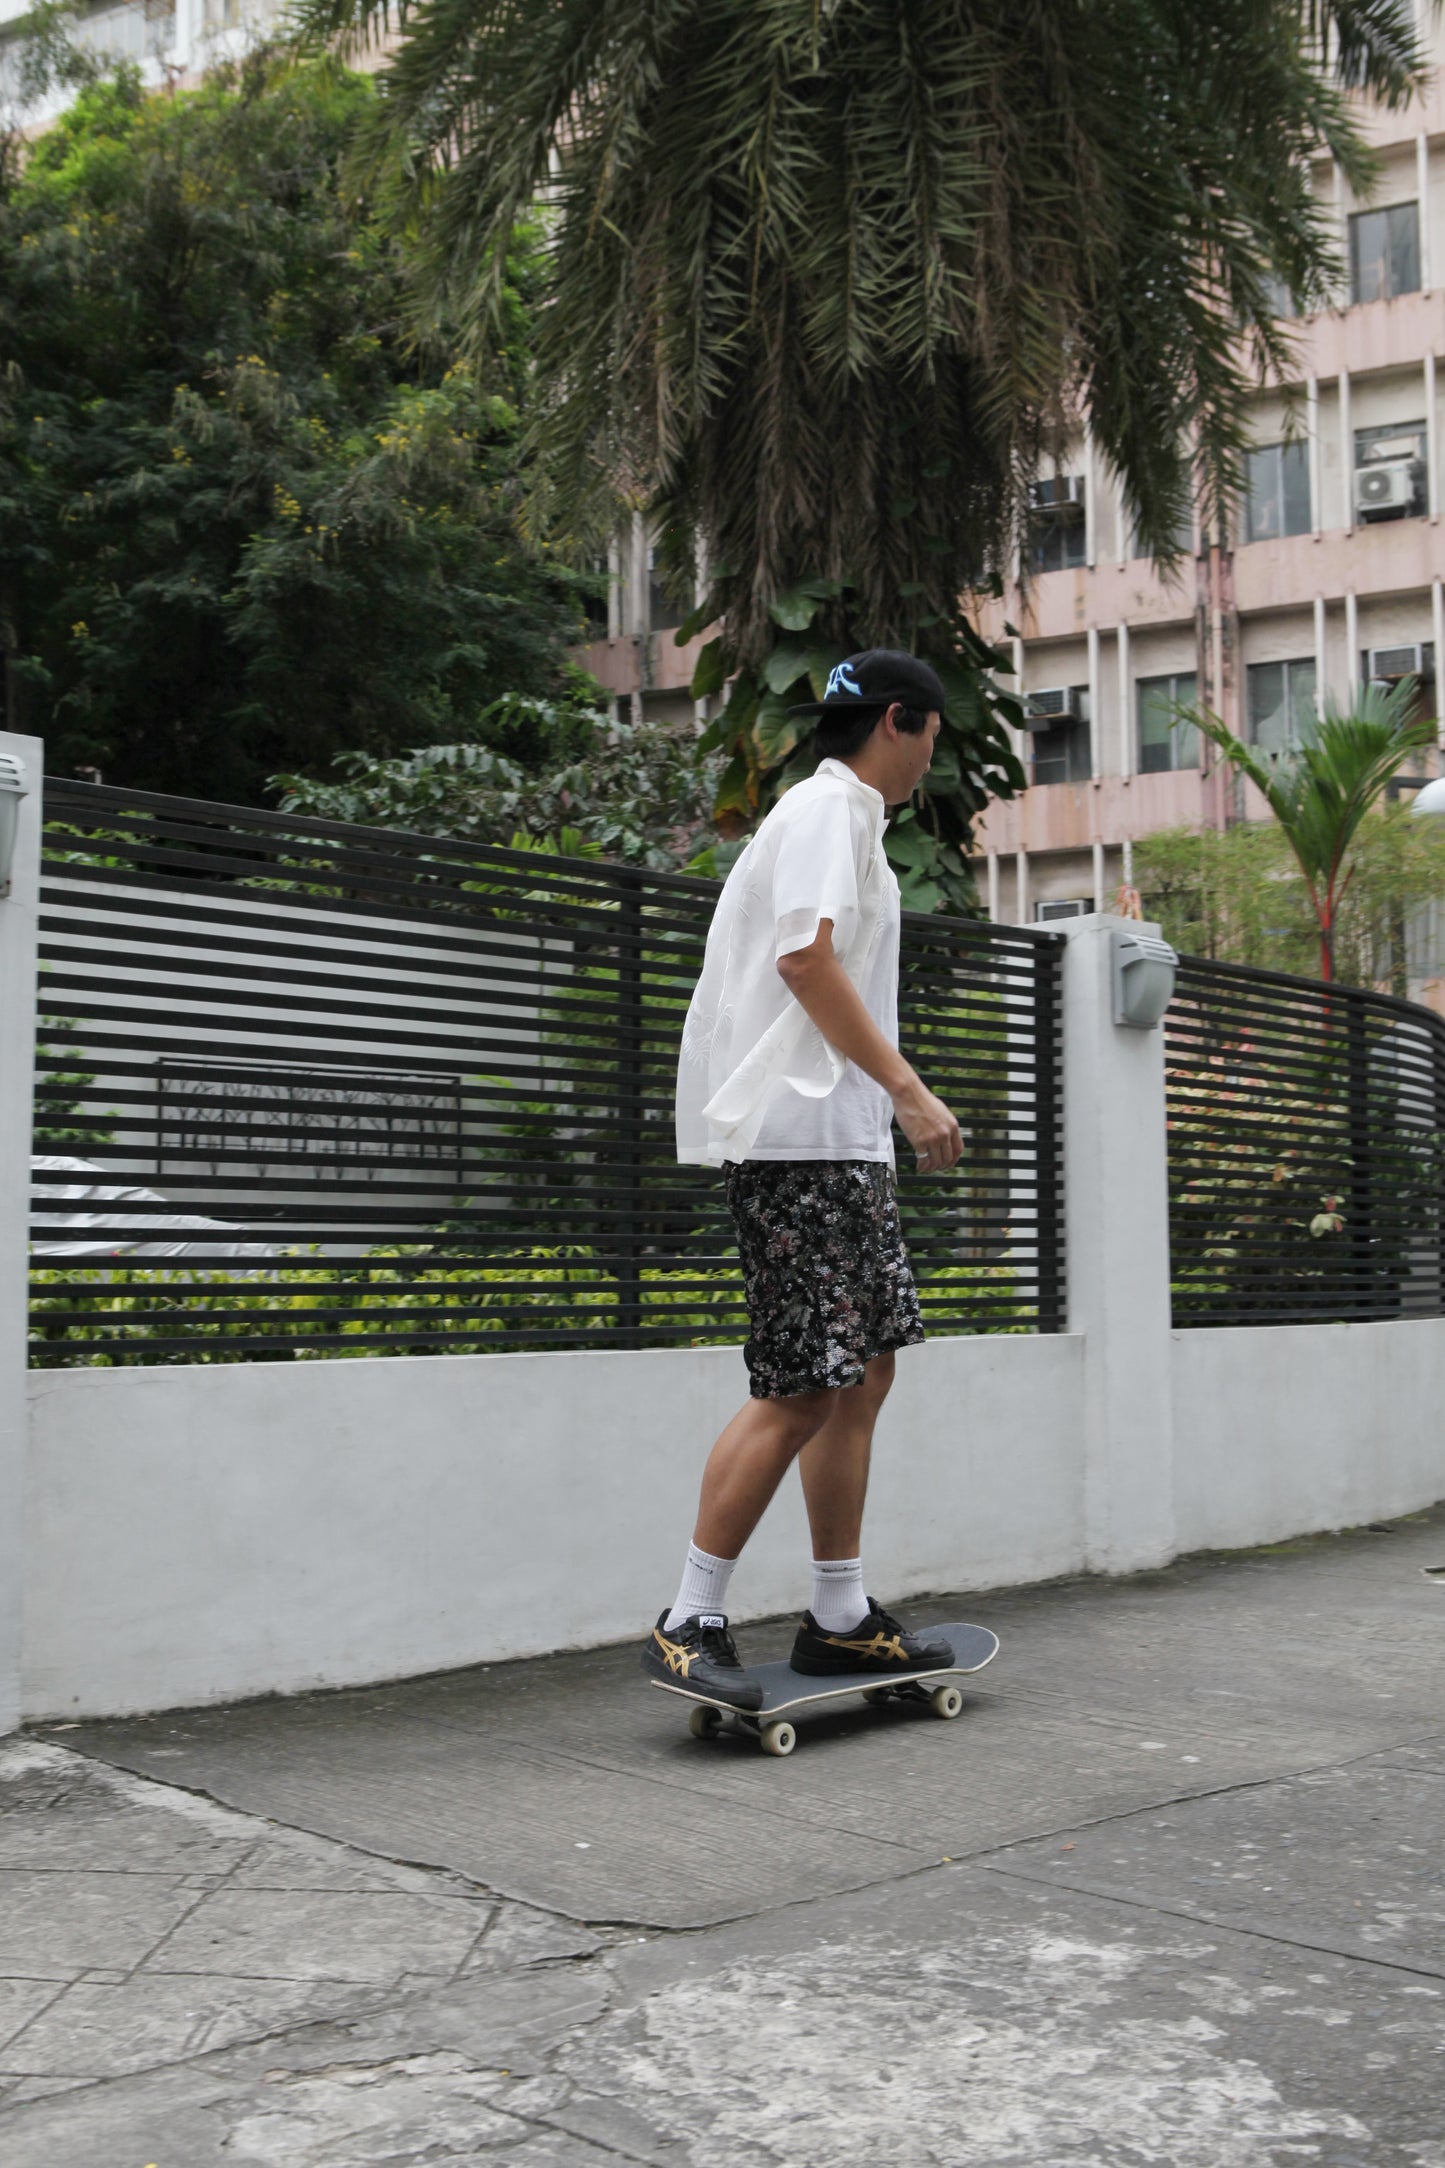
[825, 1268]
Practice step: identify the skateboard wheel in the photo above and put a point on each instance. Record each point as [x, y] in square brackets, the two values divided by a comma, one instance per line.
[875, 1696]
[945, 1701]
[778, 1738]
[704, 1722]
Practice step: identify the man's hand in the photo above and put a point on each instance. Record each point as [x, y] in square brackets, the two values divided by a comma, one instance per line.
[929, 1128]
[818, 982]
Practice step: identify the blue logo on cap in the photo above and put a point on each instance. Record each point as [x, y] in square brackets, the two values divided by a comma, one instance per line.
[842, 680]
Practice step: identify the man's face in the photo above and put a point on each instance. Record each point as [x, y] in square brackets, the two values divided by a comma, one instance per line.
[912, 757]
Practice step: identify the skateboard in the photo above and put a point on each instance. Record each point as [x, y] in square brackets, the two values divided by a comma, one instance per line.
[787, 1692]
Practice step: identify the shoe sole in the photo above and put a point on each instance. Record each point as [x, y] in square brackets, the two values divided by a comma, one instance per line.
[661, 1676]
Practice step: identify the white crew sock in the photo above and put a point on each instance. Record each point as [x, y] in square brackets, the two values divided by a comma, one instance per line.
[704, 1587]
[839, 1603]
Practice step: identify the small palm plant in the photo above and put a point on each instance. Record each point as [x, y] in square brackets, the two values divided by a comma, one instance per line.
[1320, 792]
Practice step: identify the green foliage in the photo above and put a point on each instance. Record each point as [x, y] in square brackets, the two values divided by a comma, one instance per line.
[214, 1309]
[824, 282]
[1329, 886]
[245, 519]
[63, 1122]
[1234, 894]
[1321, 794]
[1239, 895]
[641, 795]
[767, 749]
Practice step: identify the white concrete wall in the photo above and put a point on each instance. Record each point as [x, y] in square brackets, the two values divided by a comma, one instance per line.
[18, 925]
[200, 1533]
[1116, 1214]
[1284, 1429]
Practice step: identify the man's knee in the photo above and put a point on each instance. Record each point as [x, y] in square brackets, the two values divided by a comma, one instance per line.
[877, 1379]
[802, 1416]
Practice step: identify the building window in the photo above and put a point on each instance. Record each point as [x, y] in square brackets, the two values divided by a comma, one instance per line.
[1276, 292]
[1059, 746]
[1277, 492]
[1183, 537]
[1390, 472]
[596, 598]
[1058, 536]
[663, 614]
[1281, 705]
[1385, 253]
[1164, 741]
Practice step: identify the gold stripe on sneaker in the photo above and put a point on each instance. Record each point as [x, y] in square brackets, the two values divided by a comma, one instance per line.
[675, 1656]
[887, 1646]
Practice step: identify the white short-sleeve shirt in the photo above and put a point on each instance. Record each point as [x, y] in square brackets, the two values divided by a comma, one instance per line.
[756, 1079]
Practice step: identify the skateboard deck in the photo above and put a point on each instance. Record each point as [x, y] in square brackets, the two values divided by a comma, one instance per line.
[787, 1692]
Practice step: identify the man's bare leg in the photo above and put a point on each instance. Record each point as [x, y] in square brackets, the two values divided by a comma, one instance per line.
[748, 1463]
[834, 1463]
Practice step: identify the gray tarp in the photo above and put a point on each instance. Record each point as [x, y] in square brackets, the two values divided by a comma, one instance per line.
[88, 1218]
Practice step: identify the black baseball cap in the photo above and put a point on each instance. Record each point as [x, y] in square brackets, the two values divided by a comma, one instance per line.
[875, 679]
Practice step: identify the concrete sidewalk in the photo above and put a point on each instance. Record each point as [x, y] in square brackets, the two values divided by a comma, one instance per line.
[1169, 1891]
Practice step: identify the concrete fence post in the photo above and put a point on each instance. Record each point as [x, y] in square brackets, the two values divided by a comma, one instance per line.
[1116, 1204]
[19, 911]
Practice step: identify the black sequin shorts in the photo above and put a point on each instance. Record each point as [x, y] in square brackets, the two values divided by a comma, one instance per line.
[825, 1269]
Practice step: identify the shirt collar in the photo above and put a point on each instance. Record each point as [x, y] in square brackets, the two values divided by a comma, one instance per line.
[844, 774]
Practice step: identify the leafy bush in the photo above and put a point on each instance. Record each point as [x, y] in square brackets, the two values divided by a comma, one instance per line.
[212, 1310]
[1238, 895]
[639, 794]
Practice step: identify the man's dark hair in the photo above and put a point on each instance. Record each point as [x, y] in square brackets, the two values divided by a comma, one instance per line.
[842, 731]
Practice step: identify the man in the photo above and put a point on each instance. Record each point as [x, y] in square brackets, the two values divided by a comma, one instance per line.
[789, 1078]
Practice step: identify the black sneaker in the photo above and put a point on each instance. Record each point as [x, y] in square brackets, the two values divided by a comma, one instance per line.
[700, 1654]
[880, 1644]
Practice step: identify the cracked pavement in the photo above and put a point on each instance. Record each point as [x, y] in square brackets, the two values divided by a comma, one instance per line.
[1168, 1891]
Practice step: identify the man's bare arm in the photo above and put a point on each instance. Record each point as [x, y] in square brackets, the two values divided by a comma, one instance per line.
[820, 985]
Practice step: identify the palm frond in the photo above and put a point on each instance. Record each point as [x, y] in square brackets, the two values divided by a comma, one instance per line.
[824, 283]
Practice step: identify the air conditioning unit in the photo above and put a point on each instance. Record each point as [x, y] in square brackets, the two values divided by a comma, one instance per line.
[1047, 710]
[1389, 664]
[1064, 907]
[1386, 487]
[1058, 494]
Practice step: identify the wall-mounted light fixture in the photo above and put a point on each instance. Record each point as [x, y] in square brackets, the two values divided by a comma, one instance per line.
[1144, 968]
[13, 787]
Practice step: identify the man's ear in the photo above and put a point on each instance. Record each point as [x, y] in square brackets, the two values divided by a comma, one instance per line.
[891, 714]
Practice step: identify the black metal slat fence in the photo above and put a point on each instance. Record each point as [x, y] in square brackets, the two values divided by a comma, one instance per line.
[417, 1095]
[1306, 1150]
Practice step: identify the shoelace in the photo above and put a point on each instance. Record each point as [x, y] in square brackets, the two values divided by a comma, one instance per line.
[718, 1643]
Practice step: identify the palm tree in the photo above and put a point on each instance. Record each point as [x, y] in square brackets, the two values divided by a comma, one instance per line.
[827, 276]
[826, 279]
[1320, 793]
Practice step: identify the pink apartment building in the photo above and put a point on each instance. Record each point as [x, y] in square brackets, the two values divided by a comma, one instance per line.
[1331, 572]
